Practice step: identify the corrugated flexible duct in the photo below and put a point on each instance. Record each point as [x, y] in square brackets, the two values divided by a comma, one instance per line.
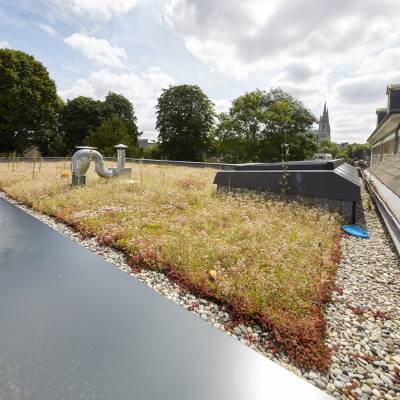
[81, 159]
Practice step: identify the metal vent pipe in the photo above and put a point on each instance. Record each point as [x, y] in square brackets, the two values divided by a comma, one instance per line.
[80, 163]
[121, 148]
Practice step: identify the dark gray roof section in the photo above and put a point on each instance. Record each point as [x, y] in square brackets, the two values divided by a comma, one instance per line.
[323, 179]
[75, 327]
[292, 165]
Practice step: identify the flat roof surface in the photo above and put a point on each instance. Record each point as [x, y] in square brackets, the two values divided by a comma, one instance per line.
[292, 165]
[75, 327]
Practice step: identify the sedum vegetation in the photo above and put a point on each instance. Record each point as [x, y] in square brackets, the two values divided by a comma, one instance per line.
[269, 261]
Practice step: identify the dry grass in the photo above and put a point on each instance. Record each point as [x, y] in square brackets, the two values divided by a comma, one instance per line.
[274, 262]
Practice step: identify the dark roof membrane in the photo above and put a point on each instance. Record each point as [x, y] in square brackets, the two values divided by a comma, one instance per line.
[333, 179]
[291, 165]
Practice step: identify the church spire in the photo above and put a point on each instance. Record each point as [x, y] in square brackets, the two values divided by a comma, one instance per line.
[324, 129]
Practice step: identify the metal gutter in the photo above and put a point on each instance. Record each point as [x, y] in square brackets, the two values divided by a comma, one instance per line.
[391, 222]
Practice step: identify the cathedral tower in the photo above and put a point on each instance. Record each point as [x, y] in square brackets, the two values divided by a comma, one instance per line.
[324, 129]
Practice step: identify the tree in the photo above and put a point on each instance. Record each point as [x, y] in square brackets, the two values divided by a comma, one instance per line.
[356, 152]
[302, 146]
[152, 152]
[228, 143]
[29, 104]
[119, 106]
[78, 117]
[83, 115]
[350, 152]
[185, 116]
[326, 146]
[112, 131]
[248, 121]
[259, 122]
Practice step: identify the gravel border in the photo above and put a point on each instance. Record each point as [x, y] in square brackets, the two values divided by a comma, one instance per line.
[363, 317]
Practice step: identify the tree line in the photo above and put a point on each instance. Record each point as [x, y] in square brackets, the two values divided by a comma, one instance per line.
[32, 113]
[255, 128]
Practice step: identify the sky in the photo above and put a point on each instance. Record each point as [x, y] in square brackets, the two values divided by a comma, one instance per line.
[344, 52]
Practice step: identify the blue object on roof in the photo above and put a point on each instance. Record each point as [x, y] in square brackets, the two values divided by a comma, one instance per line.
[355, 231]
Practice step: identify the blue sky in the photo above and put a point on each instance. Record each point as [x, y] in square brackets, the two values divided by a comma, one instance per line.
[342, 52]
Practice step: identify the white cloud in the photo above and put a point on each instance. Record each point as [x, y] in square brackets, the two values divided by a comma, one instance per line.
[47, 28]
[386, 61]
[4, 44]
[97, 9]
[220, 57]
[260, 35]
[222, 105]
[341, 51]
[98, 50]
[141, 89]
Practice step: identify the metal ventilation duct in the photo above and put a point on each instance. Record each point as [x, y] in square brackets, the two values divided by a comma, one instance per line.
[80, 163]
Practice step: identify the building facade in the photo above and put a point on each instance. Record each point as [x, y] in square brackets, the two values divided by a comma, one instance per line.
[384, 140]
[145, 143]
[384, 170]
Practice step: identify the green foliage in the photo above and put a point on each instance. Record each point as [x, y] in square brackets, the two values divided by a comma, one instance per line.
[83, 115]
[152, 152]
[227, 143]
[78, 117]
[56, 146]
[325, 146]
[29, 104]
[119, 106]
[350, 152]
[301, 147]
[112, 131]
[355, 152]
[257, 125]
[185, 117]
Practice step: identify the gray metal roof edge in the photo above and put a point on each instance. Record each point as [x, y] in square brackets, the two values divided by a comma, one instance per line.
[384, 120]
[294, 171]
[292, 162]
[290, 171]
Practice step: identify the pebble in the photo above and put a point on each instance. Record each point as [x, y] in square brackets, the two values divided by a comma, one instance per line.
[338, 384]
[370, 368]
[330, 387]
[312, 375]
[396, 359]
[360, 370]
[376, 393]
[366, 389]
